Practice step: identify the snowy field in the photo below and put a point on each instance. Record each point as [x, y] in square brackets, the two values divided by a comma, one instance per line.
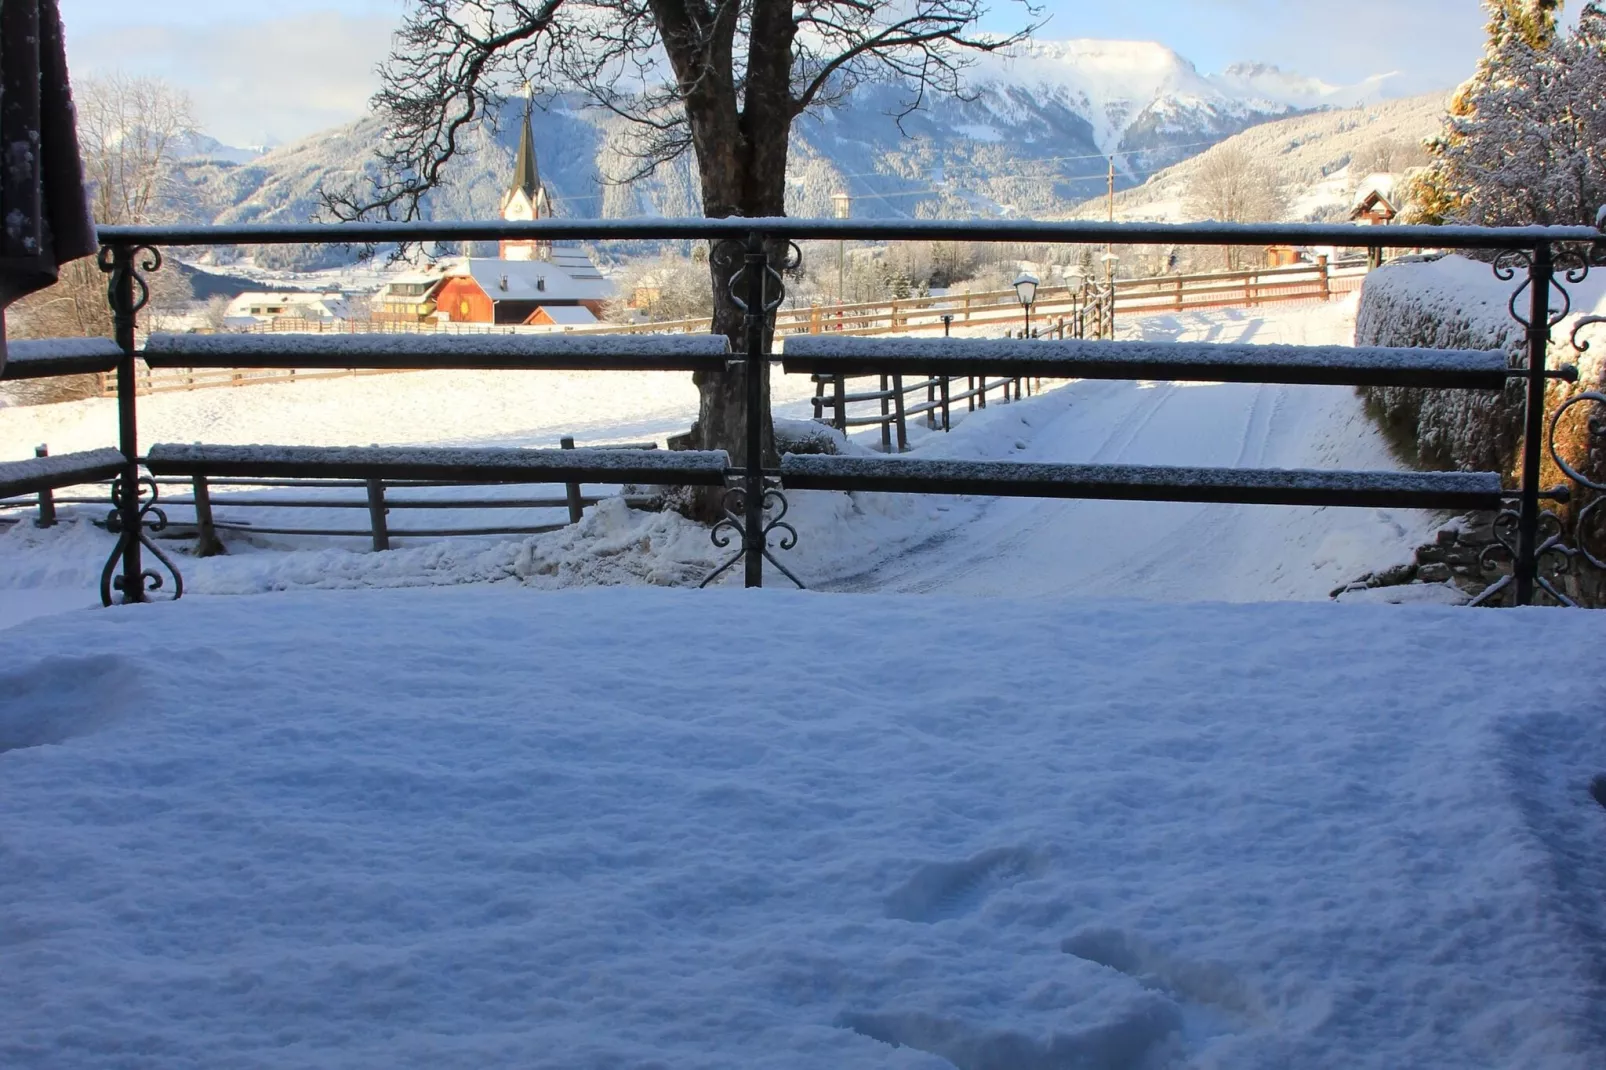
[861, 542]
[487, 828]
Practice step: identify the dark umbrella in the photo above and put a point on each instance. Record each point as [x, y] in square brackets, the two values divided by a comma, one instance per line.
[44, 215]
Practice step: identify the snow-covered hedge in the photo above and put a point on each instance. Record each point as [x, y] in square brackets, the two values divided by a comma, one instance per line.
[1458, 303]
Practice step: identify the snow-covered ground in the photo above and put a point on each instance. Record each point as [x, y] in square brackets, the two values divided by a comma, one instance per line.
[848, 542]
[488, 827]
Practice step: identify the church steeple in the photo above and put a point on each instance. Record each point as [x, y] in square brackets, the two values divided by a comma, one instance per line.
[526, 198]
[526, 176]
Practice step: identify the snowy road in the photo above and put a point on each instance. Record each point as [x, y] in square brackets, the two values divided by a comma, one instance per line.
[1172, 551]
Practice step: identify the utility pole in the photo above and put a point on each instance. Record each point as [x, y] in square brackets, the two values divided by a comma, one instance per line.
[1110, 208]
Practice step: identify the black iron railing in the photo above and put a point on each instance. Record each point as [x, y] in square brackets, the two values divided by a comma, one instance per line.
[1529, 533]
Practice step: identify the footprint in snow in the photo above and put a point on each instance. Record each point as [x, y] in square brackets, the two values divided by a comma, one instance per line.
[939, 891]
[1212, 999]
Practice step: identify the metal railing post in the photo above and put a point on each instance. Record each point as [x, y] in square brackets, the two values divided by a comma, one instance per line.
[757, 264]
[121, 291]
[1538, 340]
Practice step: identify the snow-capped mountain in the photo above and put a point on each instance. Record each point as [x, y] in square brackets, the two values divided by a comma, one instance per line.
[1033, 137]
[1127, 87]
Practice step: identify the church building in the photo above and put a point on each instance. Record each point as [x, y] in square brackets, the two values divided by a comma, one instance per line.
[537, 283]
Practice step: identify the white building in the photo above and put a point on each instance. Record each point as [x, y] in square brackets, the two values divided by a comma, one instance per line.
[260, 307]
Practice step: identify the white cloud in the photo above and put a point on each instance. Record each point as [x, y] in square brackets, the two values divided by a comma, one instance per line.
[252, 82]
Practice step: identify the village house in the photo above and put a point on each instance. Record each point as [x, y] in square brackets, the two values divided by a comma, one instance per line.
[254, 308]
[535, 283]
[1377, 204]
[1375, 201]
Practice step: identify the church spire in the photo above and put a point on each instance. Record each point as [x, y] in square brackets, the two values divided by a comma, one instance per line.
[526, 176]
[525, 198]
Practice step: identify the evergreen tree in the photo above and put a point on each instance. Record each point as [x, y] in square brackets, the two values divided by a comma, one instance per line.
[1521, 143]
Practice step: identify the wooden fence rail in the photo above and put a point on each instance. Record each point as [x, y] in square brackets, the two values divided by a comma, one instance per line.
[990, 308]
[376, 498]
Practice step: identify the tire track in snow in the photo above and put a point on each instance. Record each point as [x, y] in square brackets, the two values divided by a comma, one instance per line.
[1007, 524]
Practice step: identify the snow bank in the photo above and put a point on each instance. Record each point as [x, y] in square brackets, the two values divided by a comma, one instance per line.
[493, 828]
[1457, 303]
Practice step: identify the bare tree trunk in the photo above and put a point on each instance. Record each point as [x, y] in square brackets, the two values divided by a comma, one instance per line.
[742, 162]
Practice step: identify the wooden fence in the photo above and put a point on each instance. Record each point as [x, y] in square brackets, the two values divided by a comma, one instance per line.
[192, 515]
[989, 308]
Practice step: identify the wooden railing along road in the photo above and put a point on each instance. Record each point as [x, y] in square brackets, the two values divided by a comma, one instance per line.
[1065, 310]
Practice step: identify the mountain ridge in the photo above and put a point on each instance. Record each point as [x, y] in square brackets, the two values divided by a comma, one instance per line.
[1033, 136]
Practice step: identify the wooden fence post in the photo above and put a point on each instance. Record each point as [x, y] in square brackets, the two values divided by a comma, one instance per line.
[886, 419]
[943, 386]
[897, 410]
[47, 497]
[572, 490]
[1179, 292]
[207, 544]
[967, 306]
[839, 384]
[1326, 281]
[376, 514]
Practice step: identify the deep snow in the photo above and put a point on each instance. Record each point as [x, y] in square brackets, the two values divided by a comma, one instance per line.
[494, 827]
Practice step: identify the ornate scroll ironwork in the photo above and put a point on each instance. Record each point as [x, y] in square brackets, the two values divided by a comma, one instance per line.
[1555, 551]
[1553, 558]
[127, 292]
[753, 506]
[731, 528]
[124, 264]
[732, 251]
[152, 518]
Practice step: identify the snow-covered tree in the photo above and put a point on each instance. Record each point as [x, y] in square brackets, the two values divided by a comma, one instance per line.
[130, 133]
[1232, 186]
[1523, 139]
[723, 82]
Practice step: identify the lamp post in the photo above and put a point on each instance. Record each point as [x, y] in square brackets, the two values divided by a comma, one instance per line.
[1076, 285]
[1026, 291]
[841, 207]
[1110, 260]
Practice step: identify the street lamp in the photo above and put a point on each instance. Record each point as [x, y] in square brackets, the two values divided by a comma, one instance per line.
[1026, 290]
[1110, 260]
[841, 207]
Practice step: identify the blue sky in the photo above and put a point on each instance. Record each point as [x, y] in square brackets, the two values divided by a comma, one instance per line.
[268, 73]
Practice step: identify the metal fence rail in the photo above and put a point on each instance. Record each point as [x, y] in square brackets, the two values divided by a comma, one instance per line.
[1085, 311]
[1531, 534]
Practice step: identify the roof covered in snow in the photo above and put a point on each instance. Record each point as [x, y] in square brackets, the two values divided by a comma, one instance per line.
[569, 315]
[1376, 189]
[539, 281]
